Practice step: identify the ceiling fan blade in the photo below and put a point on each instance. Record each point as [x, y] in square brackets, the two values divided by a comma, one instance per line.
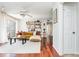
[29, 15]
[2, 10]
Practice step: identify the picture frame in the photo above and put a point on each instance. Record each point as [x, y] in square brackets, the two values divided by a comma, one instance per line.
[55, 20]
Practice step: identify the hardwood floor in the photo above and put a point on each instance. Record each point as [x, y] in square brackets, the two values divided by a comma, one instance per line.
[46, 51]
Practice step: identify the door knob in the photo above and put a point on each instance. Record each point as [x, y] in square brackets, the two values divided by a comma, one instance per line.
[73, 32]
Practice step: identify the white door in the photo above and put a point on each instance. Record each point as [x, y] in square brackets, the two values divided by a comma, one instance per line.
[77, 30]
[69, 29]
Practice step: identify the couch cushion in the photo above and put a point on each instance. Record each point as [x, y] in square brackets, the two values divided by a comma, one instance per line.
[35, 38]
[27, 33]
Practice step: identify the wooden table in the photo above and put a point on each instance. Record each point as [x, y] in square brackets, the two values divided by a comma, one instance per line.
[14, 38]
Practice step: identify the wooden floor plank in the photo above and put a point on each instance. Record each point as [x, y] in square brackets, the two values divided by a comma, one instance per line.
[46, 51]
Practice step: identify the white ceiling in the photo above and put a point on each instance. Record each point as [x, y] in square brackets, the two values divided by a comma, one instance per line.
[31, 7]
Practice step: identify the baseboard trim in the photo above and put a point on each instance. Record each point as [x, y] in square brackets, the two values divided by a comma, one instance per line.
[55, 53]
[76, 53]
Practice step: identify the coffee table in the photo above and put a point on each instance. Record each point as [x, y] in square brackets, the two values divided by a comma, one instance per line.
[14, 39]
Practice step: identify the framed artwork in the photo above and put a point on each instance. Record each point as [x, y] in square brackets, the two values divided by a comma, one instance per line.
[55, 20]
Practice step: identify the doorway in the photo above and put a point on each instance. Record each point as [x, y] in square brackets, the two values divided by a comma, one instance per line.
[49, 32]
[70, 45]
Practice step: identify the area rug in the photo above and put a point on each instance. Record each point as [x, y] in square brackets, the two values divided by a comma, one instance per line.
[28, 47]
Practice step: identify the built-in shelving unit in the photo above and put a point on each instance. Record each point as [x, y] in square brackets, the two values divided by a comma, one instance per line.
[34, 25]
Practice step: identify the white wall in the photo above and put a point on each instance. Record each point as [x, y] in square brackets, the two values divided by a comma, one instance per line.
[58, 29]
[3, 30]
[10, 18]
[3, 27]
[22, 26]
[60, 40]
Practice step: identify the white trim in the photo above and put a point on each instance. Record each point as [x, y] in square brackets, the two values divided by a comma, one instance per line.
[60, 53]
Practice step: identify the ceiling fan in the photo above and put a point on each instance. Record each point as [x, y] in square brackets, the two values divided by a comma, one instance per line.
[2, 10]
[23, 13]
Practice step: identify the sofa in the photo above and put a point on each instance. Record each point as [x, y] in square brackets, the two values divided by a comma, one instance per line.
[26, 35]
[36, 37]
